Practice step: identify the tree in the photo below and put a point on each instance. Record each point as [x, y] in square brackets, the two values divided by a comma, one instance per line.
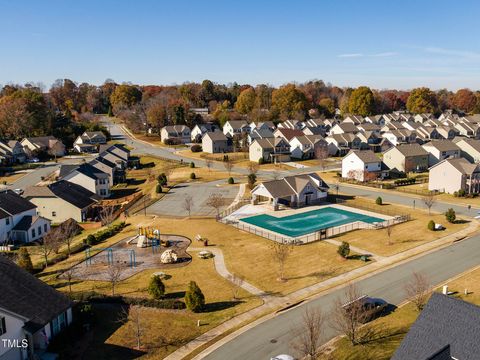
[208, 163]
[465, 100]
[245, 101]
[450, 215]
[326, 107]
[344, 249]
[236, 282]
[228, 164]
[349, 319]
[67, 232]
[69, 274]
[288, 102]
[308, 334]
[188, 204]
[361, 101]
[431, 225]
[194, 298]
[252, 167]
[125, 96]
[281, 251]
[418, 290]
[422, 100]
[107, 215]
[216, 201]
[132, 317]
[114, 274]
[49, 244]
[251, 178]
[24, 260]
[379, 200]
[429, 201]
[156, 288]
[321, 154]
[389, 229]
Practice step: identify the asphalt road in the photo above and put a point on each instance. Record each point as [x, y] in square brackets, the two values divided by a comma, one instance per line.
[275, 337]
[172, 202]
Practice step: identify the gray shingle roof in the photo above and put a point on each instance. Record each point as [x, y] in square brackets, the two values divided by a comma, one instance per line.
[25, 295]
[444, 321]
[12, 203]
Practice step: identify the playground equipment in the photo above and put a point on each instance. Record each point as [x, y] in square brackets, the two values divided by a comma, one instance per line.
[169, 257]
[147, 236]
[110, 256]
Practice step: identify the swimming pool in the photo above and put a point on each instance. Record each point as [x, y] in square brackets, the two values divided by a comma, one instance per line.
[308, 222]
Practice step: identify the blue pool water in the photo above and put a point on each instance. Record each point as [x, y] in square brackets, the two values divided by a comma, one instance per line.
[308, 222]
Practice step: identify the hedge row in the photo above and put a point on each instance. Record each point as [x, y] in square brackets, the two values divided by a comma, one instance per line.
[94, 297]
[103, 235]
[401, 182]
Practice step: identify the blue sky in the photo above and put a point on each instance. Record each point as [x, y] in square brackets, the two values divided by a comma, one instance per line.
[383, 44]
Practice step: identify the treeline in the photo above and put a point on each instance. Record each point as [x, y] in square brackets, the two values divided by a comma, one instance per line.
[67, 107]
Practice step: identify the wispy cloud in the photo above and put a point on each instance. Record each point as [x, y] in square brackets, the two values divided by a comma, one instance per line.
[350, 55]
[358, 55]
[453, 52]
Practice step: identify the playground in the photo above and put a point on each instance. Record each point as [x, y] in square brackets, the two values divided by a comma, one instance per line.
[147, 250]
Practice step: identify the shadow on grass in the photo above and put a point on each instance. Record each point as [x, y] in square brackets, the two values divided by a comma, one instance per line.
[119, 193]
[175, 295]
[221, 305]
[135, 182]
[315, 274]
[461, 221]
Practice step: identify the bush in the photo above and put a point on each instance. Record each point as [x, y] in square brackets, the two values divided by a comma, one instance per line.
[159, 189]
[461, 193]
[156, 288]
[401, 182]
[450, 215]
[431, 225]
[344, 249]
[194, 298]
[162, 179]
[170, 142]
[24, 260]
[193, 176]
[231, 181]
[196, 148]
[379, 201]
[261, 161]
[90, 241]
[192, 165]
[103, 235]
[252, 178]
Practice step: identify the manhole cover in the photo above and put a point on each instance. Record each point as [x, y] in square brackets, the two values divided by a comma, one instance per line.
[273, 341]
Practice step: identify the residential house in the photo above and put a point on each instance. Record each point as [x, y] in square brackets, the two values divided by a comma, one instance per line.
[344, 128]
[63, 200]
[287, 134]
[315, 123]
[259, 133]
[354, 119]
[401, 136]
[179, 134]
[368, 127]
[308, 147]
[118, 153]
[362, 165]
[451, 175]
[441, 149]
[116, 174]
[370, 140]
[468, 129]
[470, 148]
[89, 141]
[426, 133]
[447, 132]
[393, 125]
[44, 144]
[406, 158]
[32, 313]
[87, 176]
[292, 191]
[19, 221]
[291, 124]
[216, 142]
[270, 149]
[379, 120]
[421, 118]
[236, 128]
[200, 129]
[341, 144]
[308, 130]
[12, 152]
[266, 125]
[446, 329]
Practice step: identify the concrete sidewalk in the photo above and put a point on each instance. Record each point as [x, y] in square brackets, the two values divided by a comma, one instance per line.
[313, 291]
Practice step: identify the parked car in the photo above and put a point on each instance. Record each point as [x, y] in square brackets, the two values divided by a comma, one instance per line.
[33, 160]
[373, 307]
[18, 191]
[283, 357]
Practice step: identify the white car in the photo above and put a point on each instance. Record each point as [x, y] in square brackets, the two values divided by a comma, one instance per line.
[283, 357]
[18, 191]
[33, 160]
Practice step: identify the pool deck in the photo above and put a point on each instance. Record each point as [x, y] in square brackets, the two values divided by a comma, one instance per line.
[253, 210]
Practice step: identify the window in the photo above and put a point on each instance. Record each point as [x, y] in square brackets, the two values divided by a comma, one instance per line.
[54, 213]
[39, 230]
[7, 221]
[33, 233]
[3, 326]
[45, 227]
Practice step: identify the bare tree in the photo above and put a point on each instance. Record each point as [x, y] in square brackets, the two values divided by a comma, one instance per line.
[114, 274]
[280, 253]
[252, 167]
[68, 230]
[132, 317]
[308, 334]
[188, 204]
[236, 282]
[349, 315]
[216, 201]
[228, 164]
[429, 201]
[208, 163]
[107, 215]
[389, 229]
[49, 244]
[69, 273]
[418, 289]
[321, 154]
[275, 174]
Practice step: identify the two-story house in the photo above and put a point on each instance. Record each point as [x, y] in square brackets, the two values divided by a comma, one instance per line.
[236, 128]
[89, 141]
[46, 144]
[308, 146]
[87, 176]
[201, 129]
[362, 165]
[440, 150]
[271, 149]
[179, 134]
[216, 142]
[452, 175]
[406, 158]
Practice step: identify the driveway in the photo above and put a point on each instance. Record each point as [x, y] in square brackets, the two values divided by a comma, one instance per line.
[172, 203]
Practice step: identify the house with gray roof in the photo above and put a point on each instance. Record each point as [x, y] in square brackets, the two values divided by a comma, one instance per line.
[292, 191]
[406, 158]
[90, 177]
[470, 148]
[48, 144]
[363, 165]
[216, 142]
[89, 141]
[439, 150]
[308, 147]
[453, 175]
[273, 150]
[179, 134]
[446, 329]
[32, 313]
